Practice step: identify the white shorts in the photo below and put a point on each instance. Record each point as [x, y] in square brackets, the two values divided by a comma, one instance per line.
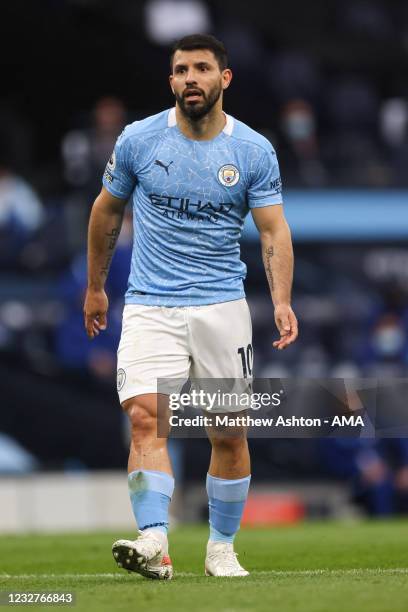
[212, 341]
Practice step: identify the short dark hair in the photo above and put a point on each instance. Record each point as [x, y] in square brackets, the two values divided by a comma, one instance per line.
[201, 41]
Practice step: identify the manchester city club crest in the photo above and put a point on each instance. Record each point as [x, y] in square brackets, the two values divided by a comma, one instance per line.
[228, 175]
[112, 162]
[121, 377]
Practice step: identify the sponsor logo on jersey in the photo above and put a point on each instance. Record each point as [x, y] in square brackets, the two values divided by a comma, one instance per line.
[112, 162]
[121, 378]
[184, 208]
[228, 175]
[276, 185]
[162, 165]
[108, 177]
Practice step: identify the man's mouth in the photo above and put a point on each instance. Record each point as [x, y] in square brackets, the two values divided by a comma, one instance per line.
[193, 95]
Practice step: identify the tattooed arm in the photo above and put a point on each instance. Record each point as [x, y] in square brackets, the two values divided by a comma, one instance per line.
[277, 254]
[103, 232]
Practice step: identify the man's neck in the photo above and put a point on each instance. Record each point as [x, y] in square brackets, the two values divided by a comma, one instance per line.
[206, 128]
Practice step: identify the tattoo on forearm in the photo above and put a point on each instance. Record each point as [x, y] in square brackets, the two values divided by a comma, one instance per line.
[268, 266]
[112, 239]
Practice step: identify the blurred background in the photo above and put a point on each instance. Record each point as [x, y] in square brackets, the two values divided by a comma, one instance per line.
[326, 83]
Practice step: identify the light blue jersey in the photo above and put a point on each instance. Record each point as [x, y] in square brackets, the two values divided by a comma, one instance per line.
[190, 199]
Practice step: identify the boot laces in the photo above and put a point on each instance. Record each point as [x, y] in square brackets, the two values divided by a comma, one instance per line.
[228, 558]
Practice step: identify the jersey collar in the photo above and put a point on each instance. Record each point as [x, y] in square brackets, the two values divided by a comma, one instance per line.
[228, 127]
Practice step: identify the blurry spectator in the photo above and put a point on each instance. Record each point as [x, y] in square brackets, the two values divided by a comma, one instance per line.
[85, 153]
[385, 348]
[301, 157]
[21, 214]
[376, 469]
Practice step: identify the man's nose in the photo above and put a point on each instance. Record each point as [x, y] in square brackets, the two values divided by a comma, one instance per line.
[190, 77]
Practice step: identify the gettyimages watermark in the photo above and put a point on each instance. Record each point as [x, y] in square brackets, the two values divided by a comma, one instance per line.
[209, 401]
[283, 408]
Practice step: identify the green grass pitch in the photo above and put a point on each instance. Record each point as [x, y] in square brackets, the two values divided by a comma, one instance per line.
[316, 567]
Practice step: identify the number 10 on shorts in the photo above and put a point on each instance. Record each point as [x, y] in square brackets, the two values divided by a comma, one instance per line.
[247, 359]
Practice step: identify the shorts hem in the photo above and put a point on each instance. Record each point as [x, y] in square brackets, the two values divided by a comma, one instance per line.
[125, 395]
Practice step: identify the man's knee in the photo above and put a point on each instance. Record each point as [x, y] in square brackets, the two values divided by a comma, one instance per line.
[231, 445]
[142, 414]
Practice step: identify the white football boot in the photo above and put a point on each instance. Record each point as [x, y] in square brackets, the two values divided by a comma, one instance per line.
[221, 560]
[146, 555]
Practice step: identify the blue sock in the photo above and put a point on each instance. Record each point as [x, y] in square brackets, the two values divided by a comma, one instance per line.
[150, 495]
[226, 501]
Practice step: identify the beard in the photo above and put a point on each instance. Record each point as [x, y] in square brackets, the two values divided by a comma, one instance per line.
[198, 110]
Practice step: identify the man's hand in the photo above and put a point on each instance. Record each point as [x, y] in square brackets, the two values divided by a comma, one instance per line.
[287, 325]
[95, 309]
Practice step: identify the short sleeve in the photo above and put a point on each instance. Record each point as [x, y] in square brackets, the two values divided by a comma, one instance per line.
[266, 186]
[118, 177]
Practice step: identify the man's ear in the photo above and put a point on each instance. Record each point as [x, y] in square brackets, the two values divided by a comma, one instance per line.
[170, 81]
[226, 78]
